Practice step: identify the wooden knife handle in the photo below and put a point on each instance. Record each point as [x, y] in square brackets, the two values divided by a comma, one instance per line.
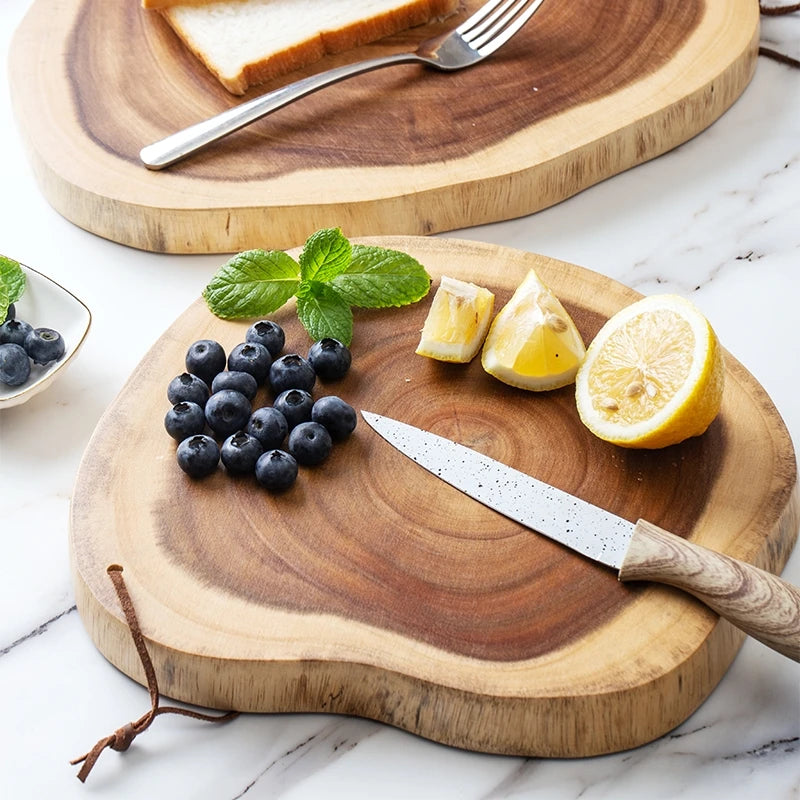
[761, 604]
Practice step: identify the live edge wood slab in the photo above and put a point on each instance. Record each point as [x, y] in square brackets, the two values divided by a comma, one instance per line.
[585, 91]
[372, 588]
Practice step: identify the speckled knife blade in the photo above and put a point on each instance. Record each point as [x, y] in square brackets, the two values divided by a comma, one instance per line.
[573, 522]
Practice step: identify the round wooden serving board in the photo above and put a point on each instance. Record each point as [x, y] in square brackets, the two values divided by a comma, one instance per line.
[585, 91]
[372, 588]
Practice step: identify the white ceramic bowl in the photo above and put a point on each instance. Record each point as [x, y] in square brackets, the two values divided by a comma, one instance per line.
[45, 304]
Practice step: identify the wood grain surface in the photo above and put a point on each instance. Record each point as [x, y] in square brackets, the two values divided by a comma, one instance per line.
[585, 91]
[372, 588]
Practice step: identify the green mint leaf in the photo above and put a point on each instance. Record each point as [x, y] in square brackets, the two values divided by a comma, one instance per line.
[379, 278]
[325, 254]
[4, 304]
[324, 313]
[252, 284]
[12, 277]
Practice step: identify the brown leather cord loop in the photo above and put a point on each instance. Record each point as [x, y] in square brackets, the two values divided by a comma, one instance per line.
[777, 11]
[122, 738]
[780, 57]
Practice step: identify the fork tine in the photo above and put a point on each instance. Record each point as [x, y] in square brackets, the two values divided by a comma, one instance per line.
[484, 18]
[479, 15]
[505, 28]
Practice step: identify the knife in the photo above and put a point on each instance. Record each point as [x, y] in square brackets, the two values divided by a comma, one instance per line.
[758, 602]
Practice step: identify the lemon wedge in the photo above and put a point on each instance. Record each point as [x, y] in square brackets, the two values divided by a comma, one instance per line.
[457, 321]
[533, 342]
[653, 376]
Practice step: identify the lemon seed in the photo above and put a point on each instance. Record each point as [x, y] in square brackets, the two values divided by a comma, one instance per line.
[634, 388]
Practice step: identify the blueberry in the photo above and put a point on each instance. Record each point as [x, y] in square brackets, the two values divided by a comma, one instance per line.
[188, 387]
[269, 426]
[205, 358]
[227, 412]
[11, 313]
[251, 357]
[184, 419]
[337, 416]
[268, 333]
[295, 405]
[330, 359]
[198, 456]
[291, 372]
[14, 331]
[240, 451]
[15, 366]
[276, 470]
[242, 382]
[44, 345]
[310, 443]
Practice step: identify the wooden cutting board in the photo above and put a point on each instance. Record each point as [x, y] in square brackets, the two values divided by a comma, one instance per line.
[585, 91]
[371, 588]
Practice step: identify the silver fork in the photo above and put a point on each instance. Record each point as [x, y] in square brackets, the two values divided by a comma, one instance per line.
[490, 27]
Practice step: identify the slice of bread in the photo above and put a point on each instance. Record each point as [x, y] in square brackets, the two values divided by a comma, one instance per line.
[247, 42]
[168, 3]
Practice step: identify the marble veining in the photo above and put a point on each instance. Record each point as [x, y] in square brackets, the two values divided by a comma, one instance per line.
[716, 220]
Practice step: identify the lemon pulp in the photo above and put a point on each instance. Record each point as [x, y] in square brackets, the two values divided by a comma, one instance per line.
[533, 342]
[457, 321]
[653, 376]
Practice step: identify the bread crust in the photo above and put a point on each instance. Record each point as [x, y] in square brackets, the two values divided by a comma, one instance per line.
[318, 43]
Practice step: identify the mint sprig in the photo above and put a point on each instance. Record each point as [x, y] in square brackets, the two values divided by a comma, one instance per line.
[329, 278]
[12, 284]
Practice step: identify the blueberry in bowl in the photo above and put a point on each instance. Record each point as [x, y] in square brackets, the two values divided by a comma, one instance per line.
[14, 331]
[44, 345]
[15, 365]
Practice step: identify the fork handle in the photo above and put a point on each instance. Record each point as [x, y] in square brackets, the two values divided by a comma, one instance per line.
[173, 148]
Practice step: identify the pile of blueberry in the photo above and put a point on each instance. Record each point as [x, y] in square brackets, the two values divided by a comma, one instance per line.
[218, 392]
[21, 344]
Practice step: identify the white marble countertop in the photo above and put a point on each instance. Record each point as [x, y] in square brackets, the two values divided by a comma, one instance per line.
[717, 220]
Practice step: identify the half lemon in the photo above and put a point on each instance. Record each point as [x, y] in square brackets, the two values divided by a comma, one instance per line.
[653, 376]
[533, 342]
[457, 321]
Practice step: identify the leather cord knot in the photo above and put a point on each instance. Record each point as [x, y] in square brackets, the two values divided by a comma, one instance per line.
[123, 737]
